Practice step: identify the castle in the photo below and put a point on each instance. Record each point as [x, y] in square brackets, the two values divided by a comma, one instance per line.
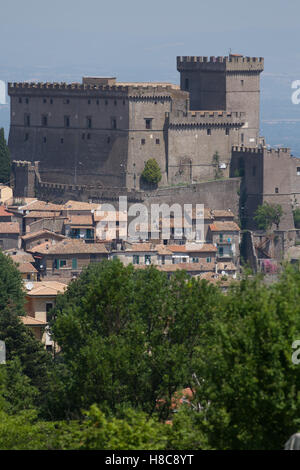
[94, 138]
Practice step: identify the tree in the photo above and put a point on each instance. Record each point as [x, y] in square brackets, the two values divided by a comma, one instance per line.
[268, 214]
[249, 385]
[128, 336]
[296, 214]
[4, 159]
[152, 173]
[216, 164]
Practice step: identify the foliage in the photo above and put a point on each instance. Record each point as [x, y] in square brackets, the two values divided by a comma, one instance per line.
[151, 173]
[268, 214]
[4, 159]
[216, 164]
[296, 214]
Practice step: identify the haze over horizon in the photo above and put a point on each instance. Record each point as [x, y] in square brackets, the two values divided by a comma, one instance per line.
[134, 41]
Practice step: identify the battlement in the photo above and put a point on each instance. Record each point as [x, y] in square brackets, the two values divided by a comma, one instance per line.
[262, 150]
[21, 87]
[204, 118]
[220, 63]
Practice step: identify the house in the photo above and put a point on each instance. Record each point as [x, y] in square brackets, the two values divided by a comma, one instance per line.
[226, 237]
[40, 299]
[6, 194]
[5, 216]
[9, 235]
[80, 226]
[33, 239]
[193, 253]
[28, 271]
[34, 216]
[68, 257]
[36, 326]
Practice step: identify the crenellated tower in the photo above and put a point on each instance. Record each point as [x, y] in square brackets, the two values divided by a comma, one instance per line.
[225, 83]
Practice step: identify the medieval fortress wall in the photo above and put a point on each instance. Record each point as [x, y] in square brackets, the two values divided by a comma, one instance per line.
[92, 139]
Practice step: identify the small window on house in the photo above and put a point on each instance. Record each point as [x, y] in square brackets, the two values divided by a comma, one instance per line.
[186, 84]
[195, 260]
[208, 131]
[113, 123]
[89, 122]
[143, 141]
[44, 120]
[276, 190]
[221, 237]
[242, 82]
[27, 120]
[136, 259]
[242, 138]
[74, 263]
[163, 259]
[62, 263]
[208, 259]
[67, 121]
[49, 307]
[147, 259]
[157, 141]
[148, 123]
[227, 131]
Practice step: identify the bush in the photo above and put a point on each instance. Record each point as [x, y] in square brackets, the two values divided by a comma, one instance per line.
[151, 173]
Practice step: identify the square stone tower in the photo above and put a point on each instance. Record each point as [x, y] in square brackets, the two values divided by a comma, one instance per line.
[225, 83]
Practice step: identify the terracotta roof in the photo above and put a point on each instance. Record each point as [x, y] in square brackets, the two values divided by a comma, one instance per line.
[78, 205]
[163, 250]
[42, 214]
[42, 206]
[110, 216]
[189, 267]
[141, 247]
[26, 268]
[224, 227]
[40, 233]
[203, 248]
[9, 227]
[79, 220]
[227, 266]
[46, 288]
[22, 258]
[30, 321]
[70, 246]
[223, 213]
[4, 212]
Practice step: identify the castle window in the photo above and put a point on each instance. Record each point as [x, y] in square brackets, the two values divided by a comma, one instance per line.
[227, 131]
[45, 140]
[208, 131]
[89, 122]
[27, 100]
[67, 101]
[27, 120]
[106, 102]
[51, 101]
[89, 101]
[242, 82]
[298, 170]
[44, 120]
[242, 138]
[143, 141]
[20, 100]
[148, 123]
[115, 102]
[157, 141]
[186, 84]
[67, 121]
[113, 123]
[89, 136]
[61, 140]
[26, 136]
[123, 102]
[44, 100]
[97, 101]
[108, 140]
[276, 190]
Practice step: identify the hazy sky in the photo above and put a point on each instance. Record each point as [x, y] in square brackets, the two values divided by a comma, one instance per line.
[137, 39]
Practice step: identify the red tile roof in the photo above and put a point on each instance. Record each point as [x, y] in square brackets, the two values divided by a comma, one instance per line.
[9, 227]
[224, 227]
